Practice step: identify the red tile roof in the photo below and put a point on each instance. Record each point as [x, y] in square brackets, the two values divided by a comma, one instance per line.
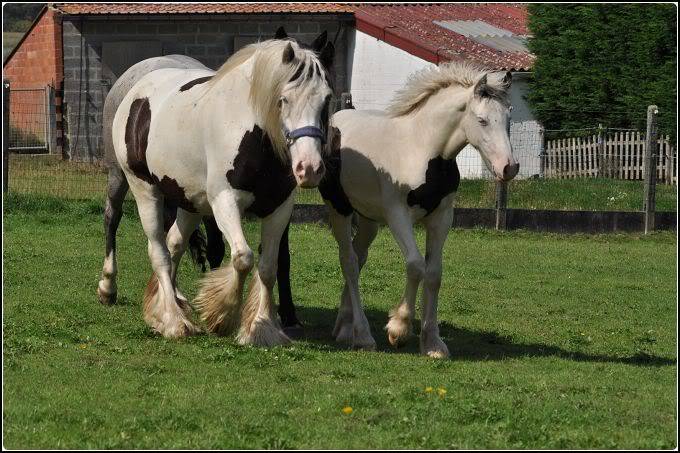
[411, 27]
[204, 8]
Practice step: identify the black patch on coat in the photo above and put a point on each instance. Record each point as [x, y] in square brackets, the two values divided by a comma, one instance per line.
[198, 81]
[258, 170]
[441, 178]
[136, 141]
[174, 194]
[330, 186]
[137, 138]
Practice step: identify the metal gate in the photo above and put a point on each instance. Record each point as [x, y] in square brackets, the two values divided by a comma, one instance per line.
[31, 116]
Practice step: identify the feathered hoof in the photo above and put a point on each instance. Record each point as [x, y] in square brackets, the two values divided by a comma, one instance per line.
[398, 331]
[178, 329]
[434, 348]
[363, 343]
[264, 333]
[219, 301]
[106, 298]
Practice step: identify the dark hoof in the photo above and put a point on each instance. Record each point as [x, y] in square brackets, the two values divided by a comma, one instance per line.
[294, 331]
[106, 299]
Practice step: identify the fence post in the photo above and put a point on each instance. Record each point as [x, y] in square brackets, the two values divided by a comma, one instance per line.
[601, 166]
[651, 151]
[501, 204]
[5, 135]
[51, 120]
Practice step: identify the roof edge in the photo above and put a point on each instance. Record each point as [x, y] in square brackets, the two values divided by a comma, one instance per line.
[26, 33]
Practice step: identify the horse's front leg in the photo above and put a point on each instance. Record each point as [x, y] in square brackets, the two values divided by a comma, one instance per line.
[289, 321]
[221, 292]
[399, 327]
[438, 225]
[258, 320]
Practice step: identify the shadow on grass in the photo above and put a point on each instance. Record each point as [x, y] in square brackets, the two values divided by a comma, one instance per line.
[464, 344]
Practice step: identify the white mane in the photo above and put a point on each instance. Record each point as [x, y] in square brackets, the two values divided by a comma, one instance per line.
[269, 77]
[426, 82]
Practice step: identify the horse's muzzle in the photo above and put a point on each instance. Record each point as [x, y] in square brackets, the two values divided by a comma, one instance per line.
[309, 176]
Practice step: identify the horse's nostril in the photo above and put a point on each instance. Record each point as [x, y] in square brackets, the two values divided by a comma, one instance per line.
[299, 169]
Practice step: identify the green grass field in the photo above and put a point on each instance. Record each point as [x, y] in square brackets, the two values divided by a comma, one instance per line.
[49, 175]
[556, 341]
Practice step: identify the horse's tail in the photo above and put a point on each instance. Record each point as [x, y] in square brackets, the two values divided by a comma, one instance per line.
[198, 249]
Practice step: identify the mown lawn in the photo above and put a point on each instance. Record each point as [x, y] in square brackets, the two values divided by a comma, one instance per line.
[557, 342]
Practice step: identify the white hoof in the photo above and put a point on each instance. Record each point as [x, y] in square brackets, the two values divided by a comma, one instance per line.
[398, 330]
[262, 332]
[435, 348]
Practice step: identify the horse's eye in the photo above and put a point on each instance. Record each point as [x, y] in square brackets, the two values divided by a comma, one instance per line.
[483, 122]
[282, 100]
[510, 109]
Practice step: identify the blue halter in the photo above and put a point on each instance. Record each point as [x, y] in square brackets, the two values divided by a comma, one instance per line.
[306, 131]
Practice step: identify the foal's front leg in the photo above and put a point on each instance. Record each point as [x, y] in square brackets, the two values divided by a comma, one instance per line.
[438, 225]
[399, 327]
[258, 321]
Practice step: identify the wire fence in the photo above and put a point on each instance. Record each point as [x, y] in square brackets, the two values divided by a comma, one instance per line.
[593, 168]
[29, 120]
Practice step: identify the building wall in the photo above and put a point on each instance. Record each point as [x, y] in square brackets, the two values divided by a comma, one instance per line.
[377, 70]
[210, 39]
[38, 61]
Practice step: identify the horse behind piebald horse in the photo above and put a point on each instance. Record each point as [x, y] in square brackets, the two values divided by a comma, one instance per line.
[221, 143]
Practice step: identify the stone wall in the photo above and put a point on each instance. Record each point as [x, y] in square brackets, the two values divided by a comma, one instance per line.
[210, 39]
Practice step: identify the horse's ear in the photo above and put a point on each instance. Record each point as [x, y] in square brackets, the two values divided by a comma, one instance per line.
[288, 54]
[327, 55]
[281, 33]
[481, 88]
[507, 81]
[319, 42]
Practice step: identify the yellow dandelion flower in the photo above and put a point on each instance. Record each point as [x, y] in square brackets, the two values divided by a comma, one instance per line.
[429, 389]
[441, 391]
[347, 410]
[83, 346]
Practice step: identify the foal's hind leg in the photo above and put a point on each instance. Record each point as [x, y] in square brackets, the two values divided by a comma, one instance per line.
[117, 187]
[258, 322]
[162, 312]
[349, 261]
[366, 232]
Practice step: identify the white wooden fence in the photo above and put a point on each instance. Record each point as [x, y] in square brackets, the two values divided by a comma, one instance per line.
[614, 155]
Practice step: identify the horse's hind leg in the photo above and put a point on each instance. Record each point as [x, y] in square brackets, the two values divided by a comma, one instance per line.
[258, 321]
[177, 241]
[215, 243]
[117, 188]
[162, 311]
[289, 320]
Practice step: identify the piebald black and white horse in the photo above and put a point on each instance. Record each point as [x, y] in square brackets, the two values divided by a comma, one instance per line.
[222, 143]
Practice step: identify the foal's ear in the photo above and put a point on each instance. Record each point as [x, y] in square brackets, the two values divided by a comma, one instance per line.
[327, 55]
[288, 54]
[281, 33]
[481, 87]
[319, 42]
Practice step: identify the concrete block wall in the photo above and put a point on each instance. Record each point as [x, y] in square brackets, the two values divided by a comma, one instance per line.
[208, 38]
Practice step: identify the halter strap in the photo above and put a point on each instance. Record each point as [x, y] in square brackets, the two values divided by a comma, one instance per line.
[305, 131]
